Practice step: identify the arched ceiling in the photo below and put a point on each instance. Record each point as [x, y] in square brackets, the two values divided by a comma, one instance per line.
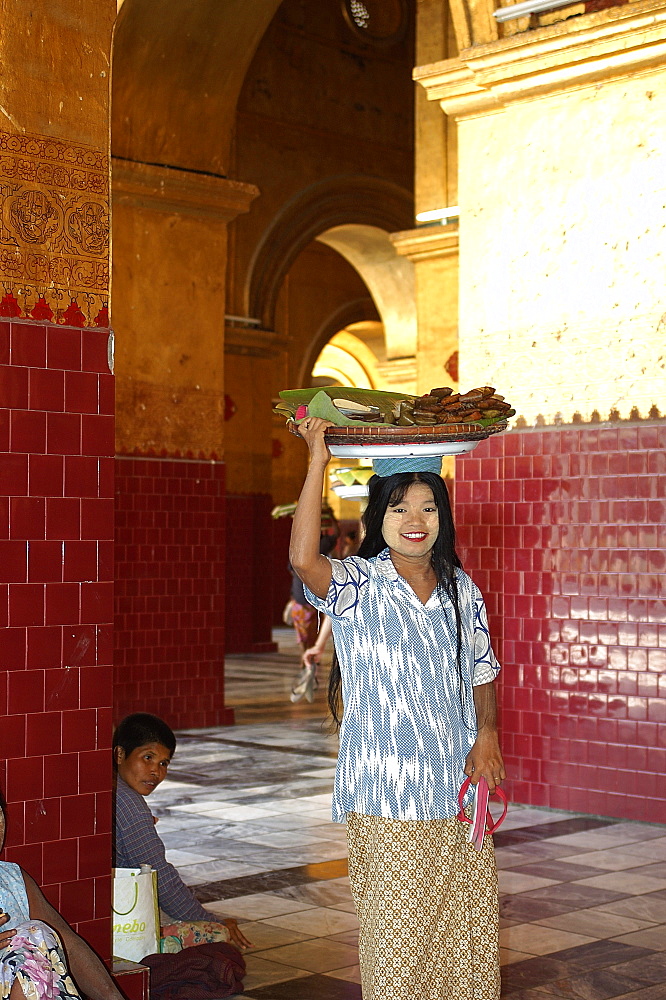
[337, 202]
[347, 359]
[389, 278]
[178, 66]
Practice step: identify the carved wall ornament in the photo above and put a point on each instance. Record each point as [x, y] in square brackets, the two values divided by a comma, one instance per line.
[54, 226]
[33, 216]
[88, 225]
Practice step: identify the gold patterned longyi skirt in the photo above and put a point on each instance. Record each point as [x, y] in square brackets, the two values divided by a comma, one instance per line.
[427, 905]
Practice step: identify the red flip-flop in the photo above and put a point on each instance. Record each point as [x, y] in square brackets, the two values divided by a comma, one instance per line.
[482, 821]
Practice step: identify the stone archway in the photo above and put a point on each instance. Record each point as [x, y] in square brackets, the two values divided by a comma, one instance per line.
[352, 312]
[349, 200]
[178, 68]
[389, 278]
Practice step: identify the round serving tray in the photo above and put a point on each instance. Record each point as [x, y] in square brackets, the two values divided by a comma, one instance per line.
[389, 440]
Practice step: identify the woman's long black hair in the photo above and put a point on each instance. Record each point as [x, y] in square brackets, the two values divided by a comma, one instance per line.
[390, 490]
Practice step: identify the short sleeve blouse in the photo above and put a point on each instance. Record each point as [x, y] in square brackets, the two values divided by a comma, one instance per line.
[409, 719]
[13, 895]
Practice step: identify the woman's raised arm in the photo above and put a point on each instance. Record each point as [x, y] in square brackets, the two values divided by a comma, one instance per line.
[313, 568]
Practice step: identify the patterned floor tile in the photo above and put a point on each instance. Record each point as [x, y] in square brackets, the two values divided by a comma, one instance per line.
[350, 975]
[514, 882]
[628, 832]
[507, 956]
[322, 921]
[558, 871]
[574, 831]
[258, 906]
[531, 974]
[535, 939]
[614, 859]
[311, 988]
[641, 907]
[601, 954]
[320, 955]
[650, 968]
[262, 972]
[631, 882]
[347, 937]
[541, 850]
[601, 984]
[264, 935]
[574, 895]
[524, 910]
[318, 893]
[591, 923]
[649, 993]
[654, 850]
[648, 937]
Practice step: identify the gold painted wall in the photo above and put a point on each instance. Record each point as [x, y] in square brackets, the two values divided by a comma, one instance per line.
[434, 252]
[178, 67]
[563, 212]
[54, 138]
[178, 268]
[170, 256]
[317, 103]
[436, 145]
[562, 275]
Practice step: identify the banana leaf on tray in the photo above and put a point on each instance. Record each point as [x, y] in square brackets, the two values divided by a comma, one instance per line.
[319, 401]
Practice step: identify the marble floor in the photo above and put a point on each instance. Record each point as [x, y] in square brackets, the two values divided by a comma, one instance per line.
[245, 815]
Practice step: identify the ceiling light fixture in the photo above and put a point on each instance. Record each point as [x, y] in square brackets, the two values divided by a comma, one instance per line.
[439, 214]
[529, 7]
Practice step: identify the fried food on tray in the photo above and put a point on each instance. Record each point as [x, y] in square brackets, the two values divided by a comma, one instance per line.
[359, 407]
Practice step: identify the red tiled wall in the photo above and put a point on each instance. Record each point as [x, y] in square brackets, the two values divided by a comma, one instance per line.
[56, 608]
[169, 637]
[249, 570]
[563, 530]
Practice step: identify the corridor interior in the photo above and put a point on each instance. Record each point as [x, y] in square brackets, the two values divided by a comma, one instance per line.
[245, 815]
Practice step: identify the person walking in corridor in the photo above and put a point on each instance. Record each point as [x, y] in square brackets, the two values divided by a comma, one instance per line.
[412, 692]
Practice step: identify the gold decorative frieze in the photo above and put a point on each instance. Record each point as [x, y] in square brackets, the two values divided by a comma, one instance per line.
[54, 229]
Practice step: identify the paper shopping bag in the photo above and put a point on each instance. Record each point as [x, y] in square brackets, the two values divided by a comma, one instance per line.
[136, 915]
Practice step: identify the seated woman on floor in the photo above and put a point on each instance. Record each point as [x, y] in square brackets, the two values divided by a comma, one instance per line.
[143, 746]
[36, 943]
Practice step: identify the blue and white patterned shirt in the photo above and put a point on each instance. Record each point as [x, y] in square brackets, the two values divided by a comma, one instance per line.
[405, 734]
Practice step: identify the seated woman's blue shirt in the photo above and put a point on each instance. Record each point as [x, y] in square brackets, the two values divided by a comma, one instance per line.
[409, 719]
[13, 895]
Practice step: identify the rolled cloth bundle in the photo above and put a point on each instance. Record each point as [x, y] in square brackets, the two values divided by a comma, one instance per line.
[409, 463]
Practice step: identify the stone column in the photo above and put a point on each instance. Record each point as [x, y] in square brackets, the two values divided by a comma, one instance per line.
[434, 252]
[170, 253]
[253, 450]
[56, 483]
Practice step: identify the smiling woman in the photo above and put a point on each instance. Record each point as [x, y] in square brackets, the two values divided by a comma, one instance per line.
[415, 668]
[143, 746]
[411, 526]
